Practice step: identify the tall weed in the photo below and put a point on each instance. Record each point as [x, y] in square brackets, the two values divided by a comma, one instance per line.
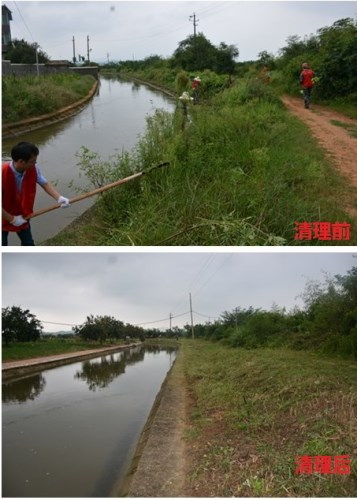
[242, 171]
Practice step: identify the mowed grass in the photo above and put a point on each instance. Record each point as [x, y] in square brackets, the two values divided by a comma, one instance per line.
[45, 347]
[252, 412]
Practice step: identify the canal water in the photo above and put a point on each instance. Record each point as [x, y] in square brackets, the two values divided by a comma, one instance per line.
[72, 431]
[112, 122]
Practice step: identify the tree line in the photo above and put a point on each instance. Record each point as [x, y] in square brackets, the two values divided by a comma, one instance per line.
[331, 52]
[20, 325]
[326, 323]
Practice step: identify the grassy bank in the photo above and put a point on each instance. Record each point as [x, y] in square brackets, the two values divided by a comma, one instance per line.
[45, 347]
[32, 96]
[242, 172]
[252, 412]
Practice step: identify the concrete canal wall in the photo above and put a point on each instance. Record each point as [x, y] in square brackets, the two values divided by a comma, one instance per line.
[159, 466]
[12, 370]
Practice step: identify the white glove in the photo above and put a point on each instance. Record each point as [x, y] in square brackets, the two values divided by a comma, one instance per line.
[64, 202]
[18, 220]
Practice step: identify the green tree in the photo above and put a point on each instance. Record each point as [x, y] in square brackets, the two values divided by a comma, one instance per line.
[266, 59]
[23, 52]
[195, 53]
[102, 328]
[225, 58]
[238, 316]
[19, 325]
[332, 54]
[338, 58]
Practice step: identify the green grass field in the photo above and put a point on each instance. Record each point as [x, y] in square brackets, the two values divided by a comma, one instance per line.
[252, 412]
[242, 172]
[45, 347]
[30, 96]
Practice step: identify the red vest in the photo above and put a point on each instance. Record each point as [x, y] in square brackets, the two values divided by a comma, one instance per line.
[17, 202]
[307, 76]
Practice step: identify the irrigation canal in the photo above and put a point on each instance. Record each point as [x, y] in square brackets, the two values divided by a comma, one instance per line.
[71, 431]
[111, 122]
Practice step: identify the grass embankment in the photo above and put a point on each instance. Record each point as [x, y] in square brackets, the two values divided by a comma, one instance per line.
[31, 96]
[47, 347]
[242, 172]
[252, 412]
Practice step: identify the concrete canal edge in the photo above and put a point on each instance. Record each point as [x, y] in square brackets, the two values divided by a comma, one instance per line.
[21, 127]
[158, 468]
[14, 370]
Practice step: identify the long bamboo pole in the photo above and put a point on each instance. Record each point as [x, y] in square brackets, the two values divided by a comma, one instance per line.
[95, 191]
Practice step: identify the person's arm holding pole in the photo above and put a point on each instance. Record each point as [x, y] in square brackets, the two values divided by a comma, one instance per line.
[50, 190]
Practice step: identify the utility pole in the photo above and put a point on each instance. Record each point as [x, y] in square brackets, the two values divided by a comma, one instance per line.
[88, 50]
[74, 50]
[170, 320]
[37, 66]
[195, 22]
[192, 329]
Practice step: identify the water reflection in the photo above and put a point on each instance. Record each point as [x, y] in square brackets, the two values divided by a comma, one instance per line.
[112, 121]
[23, 390]
[99, 373]
[78, 425]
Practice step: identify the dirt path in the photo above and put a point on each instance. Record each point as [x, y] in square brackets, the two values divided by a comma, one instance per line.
[339, 144]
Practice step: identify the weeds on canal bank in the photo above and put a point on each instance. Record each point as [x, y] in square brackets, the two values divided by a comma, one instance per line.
[252, 412]
[242, 172]
[31, 96]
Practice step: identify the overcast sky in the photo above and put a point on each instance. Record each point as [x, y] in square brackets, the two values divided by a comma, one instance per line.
[146, 287]
[126, 30]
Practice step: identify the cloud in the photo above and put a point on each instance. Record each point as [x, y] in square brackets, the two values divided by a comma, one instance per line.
[140, 287]
[139, 29]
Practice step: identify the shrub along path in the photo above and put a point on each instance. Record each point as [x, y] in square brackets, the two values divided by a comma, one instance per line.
[333, 132]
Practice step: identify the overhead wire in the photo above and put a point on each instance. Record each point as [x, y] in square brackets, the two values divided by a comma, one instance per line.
[196, 278]
[23, 20]
[169, 28]
[216, 271]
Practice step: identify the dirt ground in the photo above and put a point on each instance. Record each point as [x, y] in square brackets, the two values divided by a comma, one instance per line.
[339, 144]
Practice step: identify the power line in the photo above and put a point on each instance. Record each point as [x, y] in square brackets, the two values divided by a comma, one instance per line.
[195, 281]
[205, 316]
[172, 316]
[161, 320]
[216, 271]
[55, 323]
[23, 20]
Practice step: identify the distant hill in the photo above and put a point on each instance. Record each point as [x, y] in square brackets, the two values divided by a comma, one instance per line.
[62, 332]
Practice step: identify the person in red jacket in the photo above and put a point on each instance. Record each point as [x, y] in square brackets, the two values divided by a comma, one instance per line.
[19, 179]
[306, 82]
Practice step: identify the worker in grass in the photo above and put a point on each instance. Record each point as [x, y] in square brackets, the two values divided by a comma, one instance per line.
[196, 82]
[19, 179]
[306, 82]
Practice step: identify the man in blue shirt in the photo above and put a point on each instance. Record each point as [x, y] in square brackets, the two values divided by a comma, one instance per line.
[19, 180]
